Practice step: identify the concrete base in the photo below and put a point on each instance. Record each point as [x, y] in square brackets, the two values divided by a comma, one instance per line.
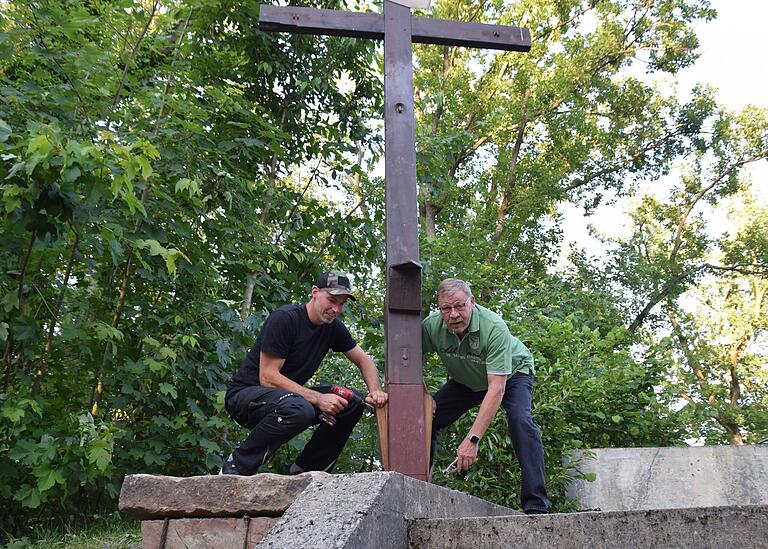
[715, 528]
[368, 510]
[675, 477]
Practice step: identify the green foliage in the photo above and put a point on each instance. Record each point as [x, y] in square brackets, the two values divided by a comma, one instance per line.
[153, 161]
[156, 158]
[505, 139]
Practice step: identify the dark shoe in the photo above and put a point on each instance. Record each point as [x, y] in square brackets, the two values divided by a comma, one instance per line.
[536, 512]
[293, 469]
[229, 467]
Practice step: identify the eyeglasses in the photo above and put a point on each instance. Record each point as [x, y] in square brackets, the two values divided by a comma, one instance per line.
[447, 309]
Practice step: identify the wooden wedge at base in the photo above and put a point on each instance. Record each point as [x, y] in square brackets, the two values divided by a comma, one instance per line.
[381, 423]
[428, 429]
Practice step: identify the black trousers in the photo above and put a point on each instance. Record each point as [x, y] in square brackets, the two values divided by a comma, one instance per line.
[275, 416]
[454, 399]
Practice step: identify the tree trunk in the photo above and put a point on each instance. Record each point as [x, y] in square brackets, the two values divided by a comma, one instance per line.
[506, 199]
[98, 388]
[733, 368]
[355, 183]
[20, 295]
[55, 317]
[250, 282]
[733, 430]
[272, 177]
[129, 61]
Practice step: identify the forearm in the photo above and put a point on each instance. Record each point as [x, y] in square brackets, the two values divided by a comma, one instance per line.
[279, 381]
[370, 375]
[488, 408]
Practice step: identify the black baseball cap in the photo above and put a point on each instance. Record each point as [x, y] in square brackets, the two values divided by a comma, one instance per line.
[335, 283]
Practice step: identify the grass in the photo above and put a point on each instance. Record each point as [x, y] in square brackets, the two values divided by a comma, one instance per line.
[102, 532]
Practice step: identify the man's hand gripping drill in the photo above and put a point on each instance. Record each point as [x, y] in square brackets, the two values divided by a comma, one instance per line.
[347, 394]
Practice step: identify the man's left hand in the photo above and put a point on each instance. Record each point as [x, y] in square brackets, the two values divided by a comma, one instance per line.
[377, 398]
[466, 455]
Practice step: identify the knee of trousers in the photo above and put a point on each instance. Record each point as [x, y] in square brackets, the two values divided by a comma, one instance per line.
[295, 411]
[519, 421]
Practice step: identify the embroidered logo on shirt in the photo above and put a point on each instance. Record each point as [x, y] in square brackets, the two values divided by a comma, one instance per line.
[474, 342]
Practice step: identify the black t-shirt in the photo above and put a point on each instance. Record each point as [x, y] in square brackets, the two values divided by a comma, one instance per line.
[287, 333]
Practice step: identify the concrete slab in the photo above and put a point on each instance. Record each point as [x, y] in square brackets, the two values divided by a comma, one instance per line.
[713, 528]
[368, 511]
[673, 477]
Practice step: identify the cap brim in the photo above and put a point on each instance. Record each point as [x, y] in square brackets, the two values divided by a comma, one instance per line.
[340, 291]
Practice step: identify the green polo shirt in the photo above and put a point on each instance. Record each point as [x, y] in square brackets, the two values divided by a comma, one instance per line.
[487, 348]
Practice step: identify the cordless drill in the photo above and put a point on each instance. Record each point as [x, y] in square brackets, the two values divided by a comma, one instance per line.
[348, 395]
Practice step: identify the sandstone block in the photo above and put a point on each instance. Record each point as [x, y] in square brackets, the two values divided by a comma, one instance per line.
[157, 497]
[208, 533]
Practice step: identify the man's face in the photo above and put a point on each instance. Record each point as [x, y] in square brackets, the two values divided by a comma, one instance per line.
[325, 306]
[456, 310]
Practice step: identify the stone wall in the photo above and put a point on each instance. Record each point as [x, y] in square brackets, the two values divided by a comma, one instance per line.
[368, 510]
[673, 477]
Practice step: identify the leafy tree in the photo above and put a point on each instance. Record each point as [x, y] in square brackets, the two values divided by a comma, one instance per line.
[722, 375]
[504, 139]
[169, 174]
[155, 162]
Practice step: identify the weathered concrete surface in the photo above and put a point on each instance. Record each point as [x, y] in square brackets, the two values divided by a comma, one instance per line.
[674, 477]
[724, 527]
[368, 510]
[157, 497]
[207, 533]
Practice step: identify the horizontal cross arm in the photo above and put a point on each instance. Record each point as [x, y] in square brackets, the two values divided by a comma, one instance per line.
[371, 25]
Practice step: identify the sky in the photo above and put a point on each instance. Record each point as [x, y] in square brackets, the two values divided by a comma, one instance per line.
[732, 60]
[733, 53]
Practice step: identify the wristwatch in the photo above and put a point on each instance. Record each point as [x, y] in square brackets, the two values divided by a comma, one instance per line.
[474, 439]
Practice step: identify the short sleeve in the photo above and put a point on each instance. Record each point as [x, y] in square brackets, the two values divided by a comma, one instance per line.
[343, 340]
[277, 334]
[499, 359]
[426, 341]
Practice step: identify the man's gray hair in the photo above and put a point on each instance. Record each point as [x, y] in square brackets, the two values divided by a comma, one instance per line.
[450, 286]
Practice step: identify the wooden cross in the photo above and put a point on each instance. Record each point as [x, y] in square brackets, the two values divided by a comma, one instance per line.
[407, 425]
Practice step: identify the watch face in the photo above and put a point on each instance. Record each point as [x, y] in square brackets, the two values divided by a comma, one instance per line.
[474, 439]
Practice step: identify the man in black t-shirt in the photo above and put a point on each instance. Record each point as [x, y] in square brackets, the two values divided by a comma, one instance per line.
[267, 394]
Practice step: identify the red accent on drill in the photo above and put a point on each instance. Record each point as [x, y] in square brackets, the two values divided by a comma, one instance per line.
[348, 395]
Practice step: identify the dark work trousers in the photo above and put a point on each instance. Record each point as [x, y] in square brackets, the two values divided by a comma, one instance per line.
[454, 399]
[275, 416]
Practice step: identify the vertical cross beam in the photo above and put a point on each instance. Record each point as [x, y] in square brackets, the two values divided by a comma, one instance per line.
[406, 429]
[406, 447]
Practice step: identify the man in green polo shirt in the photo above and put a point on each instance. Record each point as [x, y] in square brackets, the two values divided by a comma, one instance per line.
[490, 367]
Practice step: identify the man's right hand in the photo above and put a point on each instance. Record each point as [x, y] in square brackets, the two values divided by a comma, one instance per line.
[330, 403]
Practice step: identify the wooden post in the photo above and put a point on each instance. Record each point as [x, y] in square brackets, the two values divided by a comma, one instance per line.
[405, 424]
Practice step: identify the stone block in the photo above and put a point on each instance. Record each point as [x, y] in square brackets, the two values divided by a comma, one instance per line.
[158, 497]
[673, 477]
[207, 533]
